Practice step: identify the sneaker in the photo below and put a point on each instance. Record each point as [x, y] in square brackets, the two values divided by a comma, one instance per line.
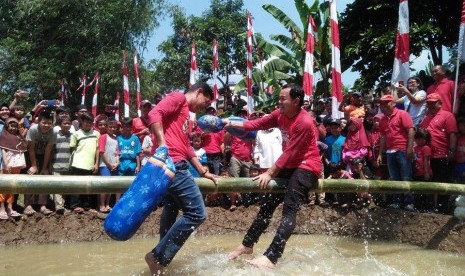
[394, 206]
[409, 207]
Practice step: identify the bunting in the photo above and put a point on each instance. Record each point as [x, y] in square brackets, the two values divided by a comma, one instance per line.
[250, 104]
[336, 82]
[401, 70]
[193, 71]
[309, 59]
[125, 86]
[215, 73]
[136, 69]
[94, 98]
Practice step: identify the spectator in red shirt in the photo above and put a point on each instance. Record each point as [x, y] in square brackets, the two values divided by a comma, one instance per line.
[169, 123]
[442, 127]
[397, 135]
[140, 125]
[213, 144]
[299, 163]
[443, 87]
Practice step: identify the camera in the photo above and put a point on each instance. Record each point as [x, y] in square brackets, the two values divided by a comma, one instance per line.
[51, 102]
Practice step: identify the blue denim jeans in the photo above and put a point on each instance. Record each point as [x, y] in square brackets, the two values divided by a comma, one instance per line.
[183, 194]
[400, 169]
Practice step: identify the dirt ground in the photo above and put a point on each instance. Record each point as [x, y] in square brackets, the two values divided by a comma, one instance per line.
[431, 231]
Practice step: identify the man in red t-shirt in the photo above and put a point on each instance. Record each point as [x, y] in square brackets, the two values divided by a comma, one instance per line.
[442, 86]
[140, 125]
[169, 123]
[397, 136]
[299, 163]
[442, 127]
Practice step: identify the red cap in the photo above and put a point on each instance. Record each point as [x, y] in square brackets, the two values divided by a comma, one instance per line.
[433, 97]
[387, 98]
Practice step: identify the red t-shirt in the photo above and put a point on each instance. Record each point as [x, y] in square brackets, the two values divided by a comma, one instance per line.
[299, 140]
[420, 153]
[211, 142]
[445, 89]
[139, 124]
[460, 149]
[173, 113]
[439, 126]
[240, 149]
[395, 128]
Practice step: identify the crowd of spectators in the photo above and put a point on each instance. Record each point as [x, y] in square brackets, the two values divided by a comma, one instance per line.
[408, 133]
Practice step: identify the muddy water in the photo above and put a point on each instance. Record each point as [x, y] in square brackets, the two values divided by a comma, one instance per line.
[305, 254]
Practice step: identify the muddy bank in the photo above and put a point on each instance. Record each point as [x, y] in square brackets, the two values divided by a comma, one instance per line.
[431, 231]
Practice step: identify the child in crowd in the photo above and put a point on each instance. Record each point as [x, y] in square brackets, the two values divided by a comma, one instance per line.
[334, 141]
[201, 154]
[149, 145]
[422, 169]
[374, 138]
[13, 146]
[85, 160]
[61, 156]
[109, 159]
[19, 112]
[356, 144]
[459, 171]
[41, 139]
[336, 171]
[129, 146]
[101, 124]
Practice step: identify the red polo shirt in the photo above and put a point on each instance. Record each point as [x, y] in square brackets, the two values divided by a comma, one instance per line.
[395, 128]
[445, 89]
[240, 149]
[211, 142]
[299, 139]
[173, 113]
[439, 126]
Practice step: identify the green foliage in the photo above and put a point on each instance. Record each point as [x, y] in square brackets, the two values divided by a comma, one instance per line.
[43, 42]
[224, 21]
[368, 29]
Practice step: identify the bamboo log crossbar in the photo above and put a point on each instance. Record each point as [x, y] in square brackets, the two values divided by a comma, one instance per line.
[49, 184]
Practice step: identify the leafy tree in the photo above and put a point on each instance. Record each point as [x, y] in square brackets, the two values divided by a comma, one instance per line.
[368, 30]
[42, 42]
[224, 21]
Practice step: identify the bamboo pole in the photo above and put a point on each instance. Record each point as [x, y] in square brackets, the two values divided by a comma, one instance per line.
[48, 184]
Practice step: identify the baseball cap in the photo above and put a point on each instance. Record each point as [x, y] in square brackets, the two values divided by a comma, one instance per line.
[145, 102]
[387, 98]
[335, 122]
[433, 97]
[357, 93]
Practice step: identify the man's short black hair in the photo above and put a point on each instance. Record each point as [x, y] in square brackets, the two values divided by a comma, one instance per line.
[126, 121]
[87, 117]
[207, 90]
[45, 115]
[62, 109]
[296, 92]
[80, 106]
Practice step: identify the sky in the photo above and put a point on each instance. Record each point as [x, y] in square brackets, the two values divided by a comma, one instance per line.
[263, 23]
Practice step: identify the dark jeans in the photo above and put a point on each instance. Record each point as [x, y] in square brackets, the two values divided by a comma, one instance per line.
[83, 200]
[214, 162]
[400, 169]
[298, 186]
[442, 172]
[183, 194]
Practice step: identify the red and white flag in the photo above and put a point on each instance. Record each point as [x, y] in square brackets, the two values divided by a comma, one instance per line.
[250, 103]
[94, 99]
[116, 104]
[401, 69]
[62, 91]
[136, 69]
[336, 82]
[84, 87]
[125, 86]
[460, 54]
[194, 69]
[215, 73]
[309, 59]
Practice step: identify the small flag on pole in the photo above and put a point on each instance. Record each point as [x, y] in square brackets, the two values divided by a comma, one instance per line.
[193, 71]
[309, 59]
[136, 69]
[116, 104]
[215, 73]
[94, 99]
[250, 104]
[125, 86]
[401, 69]
[336, 82]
